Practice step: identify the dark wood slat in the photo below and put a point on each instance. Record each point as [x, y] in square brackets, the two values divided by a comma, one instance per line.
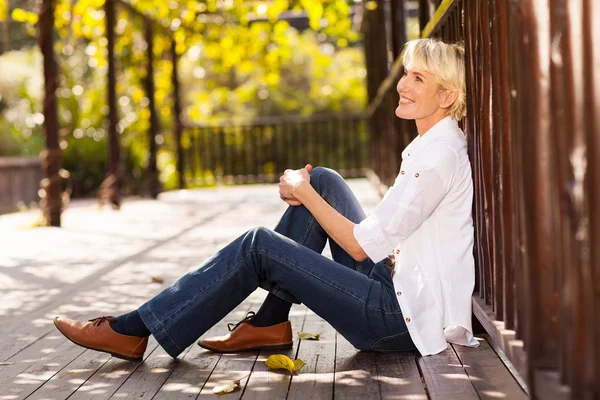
[148, 378]
[399, 376]
[197, 364]
[277, 381]
[38, 363]
[355, 372]
[488, 374]
[109, 378]
[317, 376]
[230, 367]
[505, 339]
[65, 382]
[445, 377]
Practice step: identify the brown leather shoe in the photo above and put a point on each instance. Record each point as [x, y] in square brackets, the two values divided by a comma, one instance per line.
[96, 334]
[245, 337]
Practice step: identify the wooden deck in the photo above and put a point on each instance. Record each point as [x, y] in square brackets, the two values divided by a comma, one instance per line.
[105, 262]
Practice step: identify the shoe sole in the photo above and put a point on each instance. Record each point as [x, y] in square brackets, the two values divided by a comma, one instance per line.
[283, 346]
[116, 355]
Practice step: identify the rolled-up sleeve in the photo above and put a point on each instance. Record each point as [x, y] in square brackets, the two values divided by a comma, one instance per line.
[403, 209]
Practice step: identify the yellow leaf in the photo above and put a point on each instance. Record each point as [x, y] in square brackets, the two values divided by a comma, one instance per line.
[20, 15]
[308, 336]
[279, 361]
[299, 364]
[371, 5]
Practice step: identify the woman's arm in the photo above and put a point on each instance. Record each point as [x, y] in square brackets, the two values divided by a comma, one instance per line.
[338, 227]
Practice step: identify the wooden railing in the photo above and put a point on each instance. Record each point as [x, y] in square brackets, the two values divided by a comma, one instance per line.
[261, 150]
[19, 182]
[533, 128]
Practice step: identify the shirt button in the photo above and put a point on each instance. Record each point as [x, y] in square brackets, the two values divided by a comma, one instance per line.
[402, 172]
[417, 175]
[407, 319]
[397, 251]
[399, 293]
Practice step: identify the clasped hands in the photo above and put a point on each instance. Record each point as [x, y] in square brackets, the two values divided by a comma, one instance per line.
[290, 180]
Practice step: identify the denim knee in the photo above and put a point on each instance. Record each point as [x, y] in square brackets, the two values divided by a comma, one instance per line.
[324, 175]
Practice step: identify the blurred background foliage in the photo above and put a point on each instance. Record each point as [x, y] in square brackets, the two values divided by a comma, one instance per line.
[239, 59]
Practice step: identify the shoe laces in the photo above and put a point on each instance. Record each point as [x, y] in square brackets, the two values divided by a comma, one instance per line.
[100, 320]
[249, 316]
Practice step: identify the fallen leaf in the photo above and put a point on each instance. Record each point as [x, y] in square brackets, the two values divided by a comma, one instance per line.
[6, 363]
[299, 364]
[156, 279]
[308, 336]
[227, 388]
[279, 361]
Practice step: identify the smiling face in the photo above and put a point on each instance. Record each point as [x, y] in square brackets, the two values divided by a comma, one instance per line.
[433, 84]
[419, 95]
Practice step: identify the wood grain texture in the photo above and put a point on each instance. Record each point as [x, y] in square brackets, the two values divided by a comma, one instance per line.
[275, 382]
[398, 376]
[445, 377]
[488, 374]
[317, 376]
[355, 372]
[109, 378]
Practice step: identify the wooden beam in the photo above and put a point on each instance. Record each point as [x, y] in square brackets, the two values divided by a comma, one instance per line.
[111, 187]
[152, 169]
[177, 123]
[51, 157]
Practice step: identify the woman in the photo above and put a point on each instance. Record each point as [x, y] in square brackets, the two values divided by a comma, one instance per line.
[421, 300]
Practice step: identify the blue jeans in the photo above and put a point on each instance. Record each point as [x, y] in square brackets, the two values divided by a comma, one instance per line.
[356, 298]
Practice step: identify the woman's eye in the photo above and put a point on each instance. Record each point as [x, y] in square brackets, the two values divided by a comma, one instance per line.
[419, 79]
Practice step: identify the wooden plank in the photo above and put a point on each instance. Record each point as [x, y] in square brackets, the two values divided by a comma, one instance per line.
[67, 380]
[398, 376]
[231, 367]
[148, 378]
[445, 377]
[488, 374]
[355, 372]
[317, 376]
[28, 370]
[277, 381]
[197, 364]
[503, 338]
[110, 377]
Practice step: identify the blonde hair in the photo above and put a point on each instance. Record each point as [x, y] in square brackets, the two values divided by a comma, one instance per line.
[444, 61]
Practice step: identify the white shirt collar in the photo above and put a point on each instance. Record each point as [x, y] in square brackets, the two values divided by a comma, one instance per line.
[440, 129]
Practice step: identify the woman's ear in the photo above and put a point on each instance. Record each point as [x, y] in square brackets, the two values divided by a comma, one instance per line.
[448, 97]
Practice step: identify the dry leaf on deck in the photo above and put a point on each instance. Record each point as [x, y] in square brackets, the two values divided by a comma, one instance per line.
[157, 279]
[279, 361]
[308, 336]
[227, 388]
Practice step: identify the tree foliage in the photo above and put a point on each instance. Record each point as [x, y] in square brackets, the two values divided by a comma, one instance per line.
[238, 59]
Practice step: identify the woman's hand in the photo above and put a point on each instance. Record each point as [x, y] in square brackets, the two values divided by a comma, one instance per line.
[288, 182]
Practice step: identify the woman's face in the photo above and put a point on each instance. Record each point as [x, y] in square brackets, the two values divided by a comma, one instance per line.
[419, 95]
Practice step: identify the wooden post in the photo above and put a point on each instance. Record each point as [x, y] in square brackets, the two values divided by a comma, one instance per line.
[177, 124]
[51, 202]
[110, 189]
[423, 14]
[398, 17]
[152, 170]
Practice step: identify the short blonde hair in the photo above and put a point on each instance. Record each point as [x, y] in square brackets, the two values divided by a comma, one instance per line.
[446, 62]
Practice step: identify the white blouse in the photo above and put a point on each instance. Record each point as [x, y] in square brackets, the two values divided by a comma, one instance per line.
[425, 219]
